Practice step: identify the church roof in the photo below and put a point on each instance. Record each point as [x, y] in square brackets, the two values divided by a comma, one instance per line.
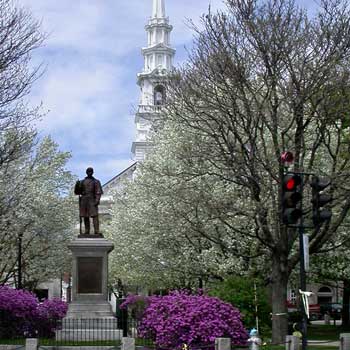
[112, 182]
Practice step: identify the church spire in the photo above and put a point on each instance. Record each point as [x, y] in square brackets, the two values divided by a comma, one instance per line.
[158, 62]
[158, 9]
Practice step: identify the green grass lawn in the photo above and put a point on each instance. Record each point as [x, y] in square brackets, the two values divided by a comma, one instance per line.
[12, 341]
[318, 332]
[325, 332]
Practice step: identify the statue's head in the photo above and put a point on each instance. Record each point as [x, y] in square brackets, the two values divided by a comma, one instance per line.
[89, 171]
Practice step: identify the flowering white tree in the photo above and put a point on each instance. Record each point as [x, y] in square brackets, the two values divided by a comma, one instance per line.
[262, 78]
[163, 224]
[35, 215]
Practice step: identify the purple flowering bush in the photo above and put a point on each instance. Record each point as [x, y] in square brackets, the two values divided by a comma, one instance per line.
[18, 311]
[21, 314]
[196, 320]
[18, 303]
[136, 305]
[53, 309]
[49, 313]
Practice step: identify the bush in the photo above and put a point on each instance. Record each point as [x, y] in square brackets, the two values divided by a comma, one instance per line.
[21, 314]
[50, 312]
[196, 320]
[239, 291]
[18, 312]
[136, 305]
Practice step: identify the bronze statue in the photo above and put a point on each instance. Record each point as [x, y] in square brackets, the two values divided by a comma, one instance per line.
[89, 191]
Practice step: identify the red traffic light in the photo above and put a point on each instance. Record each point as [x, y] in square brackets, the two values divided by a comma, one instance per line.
[291, 196]
[290, 184]
[291, 181]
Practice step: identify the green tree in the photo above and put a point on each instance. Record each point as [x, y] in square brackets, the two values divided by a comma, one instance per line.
[249, 296]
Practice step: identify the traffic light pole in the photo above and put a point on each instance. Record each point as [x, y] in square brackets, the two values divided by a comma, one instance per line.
[302, 275]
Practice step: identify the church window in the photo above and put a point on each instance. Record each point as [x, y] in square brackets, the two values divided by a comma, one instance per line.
[158, 36]
[159, 95]
[159, 60]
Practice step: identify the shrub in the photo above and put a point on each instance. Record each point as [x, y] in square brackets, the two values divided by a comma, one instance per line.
[50, 312]
[18, 312]
[239, 291]
[21, 314]
[196, 320]
[53, 309]
[136, 304]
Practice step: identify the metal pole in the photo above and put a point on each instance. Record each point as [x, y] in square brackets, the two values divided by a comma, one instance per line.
[19, 262]
[256, 307]
[302, 274]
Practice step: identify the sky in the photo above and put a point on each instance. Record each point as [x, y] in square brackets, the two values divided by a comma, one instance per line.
[91, 56]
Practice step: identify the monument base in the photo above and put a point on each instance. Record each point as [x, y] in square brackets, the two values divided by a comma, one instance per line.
[90, 269]
[78, 330]
[88, 310]
[89, 315]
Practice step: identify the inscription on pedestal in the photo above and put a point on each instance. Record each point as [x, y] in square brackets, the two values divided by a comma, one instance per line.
[89, 275]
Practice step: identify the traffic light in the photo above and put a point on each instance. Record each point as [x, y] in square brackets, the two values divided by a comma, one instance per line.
[291, 196]
[319, 200]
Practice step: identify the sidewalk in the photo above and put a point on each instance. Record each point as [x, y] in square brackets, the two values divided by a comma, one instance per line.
[324, 343]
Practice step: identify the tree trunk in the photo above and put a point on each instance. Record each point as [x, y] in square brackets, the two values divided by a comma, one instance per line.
[346, 300]
[279, 298]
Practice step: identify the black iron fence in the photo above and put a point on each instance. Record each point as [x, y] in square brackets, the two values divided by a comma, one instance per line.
[69, 331]
[98, 332]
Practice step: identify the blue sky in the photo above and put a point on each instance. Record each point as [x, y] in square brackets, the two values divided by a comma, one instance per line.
[92, 55]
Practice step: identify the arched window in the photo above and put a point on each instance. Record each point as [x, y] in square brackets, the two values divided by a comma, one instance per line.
[159, 95]
[325, 290]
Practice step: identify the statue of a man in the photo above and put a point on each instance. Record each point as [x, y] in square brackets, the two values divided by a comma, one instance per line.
[89, 191]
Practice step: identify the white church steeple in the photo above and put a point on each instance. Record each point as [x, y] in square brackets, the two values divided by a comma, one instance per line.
[158, 62]
[158, 9]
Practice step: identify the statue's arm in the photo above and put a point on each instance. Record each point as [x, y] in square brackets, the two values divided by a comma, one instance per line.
[77, 188]
[98, 192]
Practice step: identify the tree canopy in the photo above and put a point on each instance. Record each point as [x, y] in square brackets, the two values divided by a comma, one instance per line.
[263, 77]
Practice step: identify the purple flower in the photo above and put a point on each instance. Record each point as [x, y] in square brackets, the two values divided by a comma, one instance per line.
[25, 316]
[196, 320]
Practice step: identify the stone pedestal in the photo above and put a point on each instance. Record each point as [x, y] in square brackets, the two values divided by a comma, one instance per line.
[89, 315]
[90, 278]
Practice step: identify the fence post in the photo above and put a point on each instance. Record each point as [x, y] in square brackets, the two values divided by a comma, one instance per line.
[344, 341]
[327, 318]
[32, 344]
[292, 342]
[222, 344]
[128, 343]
